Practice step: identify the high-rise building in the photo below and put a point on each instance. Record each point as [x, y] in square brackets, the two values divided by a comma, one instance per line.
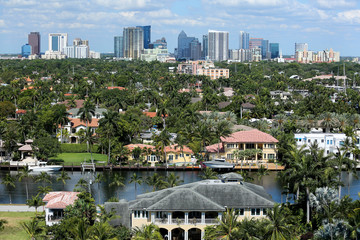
[274, 49]
[58, 42]
[255, 43]
[26, 50]
[34, 42]
[133, 38]
[184, 51]
[78, 42]
[77, 51]
[195, 49]
[218, 45]
[159, 44]
[244, 40]
[265, 53]
[119, 46]
[205, 46]
[301, 47]
[147, 35]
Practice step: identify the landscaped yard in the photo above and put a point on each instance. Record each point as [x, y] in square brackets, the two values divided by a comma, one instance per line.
[78, 158]
[13, 229]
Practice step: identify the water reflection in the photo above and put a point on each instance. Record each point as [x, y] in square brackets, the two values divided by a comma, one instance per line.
[103, 191]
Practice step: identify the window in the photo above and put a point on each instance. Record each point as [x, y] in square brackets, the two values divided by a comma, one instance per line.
[161, 214]
[327, 141]
[264, 156]
[250, 146]
[171, 157]
[137, 214]
[145, 214]
[330, 142]
[181, 155]
[271, 156]
[255, 212]
[230, 156]
[309, 141]
[230, 146]
[176, 156]
[271, 145]
[327, 151]
[187, 155]
[322, 140]
[341, 143]
[240, 211]
[264, 211]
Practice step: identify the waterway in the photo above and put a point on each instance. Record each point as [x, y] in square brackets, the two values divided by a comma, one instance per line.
[103, 191]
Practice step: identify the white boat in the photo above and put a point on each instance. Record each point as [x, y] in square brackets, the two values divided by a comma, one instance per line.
[43, 167]
[219, 164]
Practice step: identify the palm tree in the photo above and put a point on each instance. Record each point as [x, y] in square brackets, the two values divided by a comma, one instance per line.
[222, 129]
[63, 177]
[62, 120]
[44, 190]
[162, 140]
[309, 122]
[82, 184]
[172, 180]
[24, 174]
[117, 181]
[89, 138]
[98, 179]
[82, 230]
[2, 224]
[32, 228]
[103, 231]
[35, 202]
[276, 225]
[246, 176]
[262, 171]
[250, 229]
[43, 177]
[147, 232]
[136, 180]
[9, 182]
[164, 110]
[229, 226]
[109, 123]
[181, 142]
[86, 112]
[328, 121]
[156, 181]
[208, 173]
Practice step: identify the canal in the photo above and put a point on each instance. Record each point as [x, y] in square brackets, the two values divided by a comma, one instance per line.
[103, 191]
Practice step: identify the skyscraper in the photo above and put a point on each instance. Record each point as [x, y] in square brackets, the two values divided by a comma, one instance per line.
[133, 38]
[119, 46]
[184, 41]
[26, 50]
[244, 40]
[58, 42]
[147, 35]
[218, 45]
[195, 49]
[300, 47]
[274, 49]
[265, 49]
[34, 42]
[205, 46]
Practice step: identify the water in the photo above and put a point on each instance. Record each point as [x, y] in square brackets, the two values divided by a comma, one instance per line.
[18, 194]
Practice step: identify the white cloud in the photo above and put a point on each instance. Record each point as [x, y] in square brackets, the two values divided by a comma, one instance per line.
[336, 3]
[352, 16]
[249, 2]
[123, 4]
[2, 23]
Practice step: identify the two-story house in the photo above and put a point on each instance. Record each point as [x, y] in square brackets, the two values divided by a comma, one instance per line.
[251, 146]
[184, 211]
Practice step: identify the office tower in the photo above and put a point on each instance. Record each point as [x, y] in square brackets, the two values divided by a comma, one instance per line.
[205, 46]
[119, 46]
[184, 41]
[274, 49]
[58, 42]
[218, 45]
[195, 49]
[26, 50]
[147, 35]
[133, 38]
[244, 40]
[301, 47]
[265, 53]
[78, 42]
[34, 42]
[159, 44]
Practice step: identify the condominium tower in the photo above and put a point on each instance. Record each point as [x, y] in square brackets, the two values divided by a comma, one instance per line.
[58, 42]
[133, 42]
[218, 45]
[147, 35]
[244, 40]
[34, 42]
[119, 46]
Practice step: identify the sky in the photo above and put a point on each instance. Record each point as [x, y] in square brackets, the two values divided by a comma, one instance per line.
[323, 24]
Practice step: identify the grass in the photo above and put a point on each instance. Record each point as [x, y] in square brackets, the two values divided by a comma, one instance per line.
[13, 229]
[78, 158]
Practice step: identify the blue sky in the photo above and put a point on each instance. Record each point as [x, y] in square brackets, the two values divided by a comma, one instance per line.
[321, 23]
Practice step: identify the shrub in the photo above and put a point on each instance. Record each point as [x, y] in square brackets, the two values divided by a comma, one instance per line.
[77, 148]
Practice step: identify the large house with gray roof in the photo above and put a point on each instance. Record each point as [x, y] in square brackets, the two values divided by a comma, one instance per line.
[184, 211]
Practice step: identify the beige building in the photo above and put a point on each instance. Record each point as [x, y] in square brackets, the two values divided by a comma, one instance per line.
[214, 73]
[251, 146]
[183, 212]
[202, 67]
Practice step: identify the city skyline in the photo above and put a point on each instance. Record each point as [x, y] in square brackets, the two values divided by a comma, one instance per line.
[322, 24]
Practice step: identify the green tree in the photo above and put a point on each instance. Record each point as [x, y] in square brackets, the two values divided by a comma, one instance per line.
[2, 224]
[86, 113]
[162, 141]
[117, 181]
[9, 182]
[147, 232]
[46, 147]
[208, 173]
[24, 174]
[172, 180]
[36, 202]
[276, 225]
[33, 228]
[63, 177]
[109, 125]
[156, 181]
[136, 180]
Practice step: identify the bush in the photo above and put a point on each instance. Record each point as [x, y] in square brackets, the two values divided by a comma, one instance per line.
[77, 148]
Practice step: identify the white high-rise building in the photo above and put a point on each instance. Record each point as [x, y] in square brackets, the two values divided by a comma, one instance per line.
[77, 51]
[218, 45]
[133, 40]
[58, 42]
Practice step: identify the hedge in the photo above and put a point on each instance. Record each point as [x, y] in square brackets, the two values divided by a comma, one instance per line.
[77, 148]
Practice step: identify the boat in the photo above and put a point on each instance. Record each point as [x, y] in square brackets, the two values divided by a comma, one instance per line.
[219, 163]
[43, 167]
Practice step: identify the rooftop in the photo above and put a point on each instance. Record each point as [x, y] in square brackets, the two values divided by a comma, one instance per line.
[60, 200]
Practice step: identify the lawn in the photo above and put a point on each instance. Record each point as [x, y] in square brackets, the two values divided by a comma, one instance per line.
[13, 229]
[78, 158]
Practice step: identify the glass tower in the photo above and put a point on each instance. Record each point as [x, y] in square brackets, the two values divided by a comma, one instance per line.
[34, 42]
[133, 38]
[119, 46]
[244, 40]
[147, 35]
[274, 49]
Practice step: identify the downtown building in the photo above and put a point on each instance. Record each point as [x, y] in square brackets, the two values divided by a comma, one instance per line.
[189, 48]
[118, 46]
[218, 45]
[317, 57]
[244, 40]
[57, 46]
[34, 42]
[133, 40]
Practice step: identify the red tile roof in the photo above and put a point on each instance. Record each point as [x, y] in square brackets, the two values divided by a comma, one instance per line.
[79, 103]
[120, 88]
[151, 114]
[76, 122]
[60, 200]
[251, 136]
[20, 111]
[141, 146]
[214, 148]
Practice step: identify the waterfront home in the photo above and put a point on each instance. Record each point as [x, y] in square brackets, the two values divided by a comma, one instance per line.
[55, 204]
[150, 154]
[184, 211]
[252, 146]
[330, 142]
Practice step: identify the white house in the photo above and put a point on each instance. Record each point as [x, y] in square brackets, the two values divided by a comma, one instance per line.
[330, 142]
